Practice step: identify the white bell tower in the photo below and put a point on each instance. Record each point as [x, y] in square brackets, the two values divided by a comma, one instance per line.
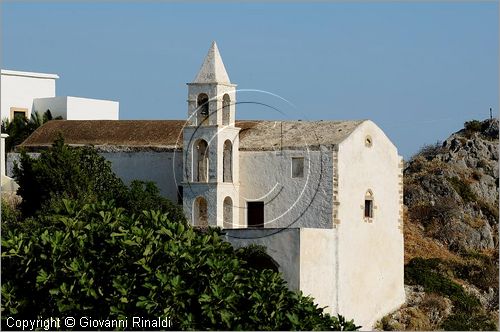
[210, 147]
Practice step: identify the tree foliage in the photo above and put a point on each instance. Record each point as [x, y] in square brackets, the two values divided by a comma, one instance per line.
[80, 173]
[63, 171]
[145, 195]
[19, 128]
[100, 261]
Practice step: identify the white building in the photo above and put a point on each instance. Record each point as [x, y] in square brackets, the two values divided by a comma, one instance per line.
[19, 88]
[26, 92]
[324, 197]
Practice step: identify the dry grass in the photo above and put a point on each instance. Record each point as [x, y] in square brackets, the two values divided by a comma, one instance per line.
[418, 245]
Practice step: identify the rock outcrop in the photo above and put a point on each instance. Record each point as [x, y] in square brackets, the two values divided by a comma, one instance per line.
[452, 188]
[451, 197]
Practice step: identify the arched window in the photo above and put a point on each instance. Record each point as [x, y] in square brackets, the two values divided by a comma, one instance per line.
[226, 104]
[200, 212]
[227, 162]
[228, 212]
[202, 105]
[368, 204]
[200, 161]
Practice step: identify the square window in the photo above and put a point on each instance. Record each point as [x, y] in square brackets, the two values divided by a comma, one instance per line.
[18, 112]
[297, 167]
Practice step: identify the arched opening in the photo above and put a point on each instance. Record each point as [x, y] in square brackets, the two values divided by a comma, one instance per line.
[200, 161]
[368, 204]
[226, 104]
[227, 162]
[227, 212]
[200, 212]
[202, 105]
[256, 257]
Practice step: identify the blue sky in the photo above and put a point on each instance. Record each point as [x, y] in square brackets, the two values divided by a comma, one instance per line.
[419, 70]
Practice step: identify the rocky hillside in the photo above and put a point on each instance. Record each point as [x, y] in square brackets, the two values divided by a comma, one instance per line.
[451, 234]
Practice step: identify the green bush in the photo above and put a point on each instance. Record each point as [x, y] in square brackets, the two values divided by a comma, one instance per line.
[100, 261]
[468, 322]
[473, 126]
[21, 128]
[426, 272]
[62, 171]
[479, 269]
[145, 195]
[80, 173]
[429, 274]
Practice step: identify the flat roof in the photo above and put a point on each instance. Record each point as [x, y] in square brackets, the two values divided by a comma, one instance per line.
[28, 74]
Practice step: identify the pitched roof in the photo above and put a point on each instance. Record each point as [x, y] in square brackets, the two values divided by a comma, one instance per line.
[212, 70]
[167, 134]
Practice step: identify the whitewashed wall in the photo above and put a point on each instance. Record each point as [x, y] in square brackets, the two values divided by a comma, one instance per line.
[318, 266]
[289, 202]
[18, 89]
[76, 108]
[370, 253]
[306, 258]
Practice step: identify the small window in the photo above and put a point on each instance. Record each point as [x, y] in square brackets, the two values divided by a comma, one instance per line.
[297, 167]
[226, 106]
[368, 208]
[18, 112]
[368, 141]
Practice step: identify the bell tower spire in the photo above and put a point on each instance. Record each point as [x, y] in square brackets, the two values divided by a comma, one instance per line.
[211, 96]
[211, 147]
[213, 69]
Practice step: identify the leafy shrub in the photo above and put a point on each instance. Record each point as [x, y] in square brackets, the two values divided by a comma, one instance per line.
[20, 128]
[478, 269]
[467, 322]
[425, 272]
[145, 195]
[99, 261]
[428, 273]
[473, 126]
[463, 189]
[63, 171]
[80, 173]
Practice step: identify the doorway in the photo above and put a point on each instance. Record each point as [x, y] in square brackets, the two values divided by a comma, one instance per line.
[255, 214]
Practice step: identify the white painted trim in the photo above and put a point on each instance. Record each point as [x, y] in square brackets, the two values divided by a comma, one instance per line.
[28, 74]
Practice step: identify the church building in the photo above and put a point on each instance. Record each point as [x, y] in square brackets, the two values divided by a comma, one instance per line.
[323, 197]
